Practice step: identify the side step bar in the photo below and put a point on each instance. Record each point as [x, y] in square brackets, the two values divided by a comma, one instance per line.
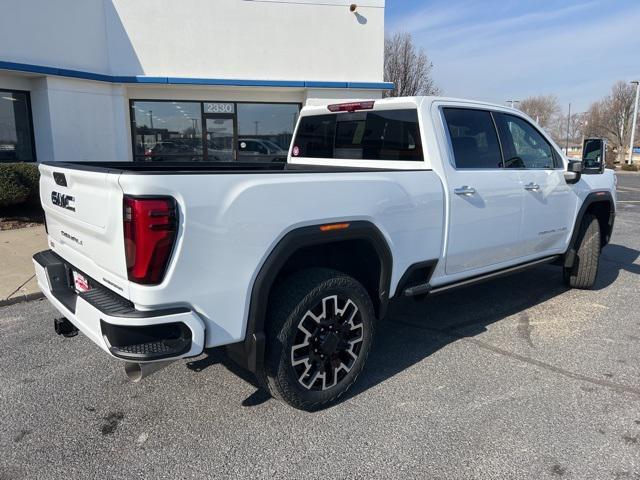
[426, 288]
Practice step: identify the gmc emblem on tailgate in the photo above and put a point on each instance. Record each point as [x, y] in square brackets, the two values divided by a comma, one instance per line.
[64, 201]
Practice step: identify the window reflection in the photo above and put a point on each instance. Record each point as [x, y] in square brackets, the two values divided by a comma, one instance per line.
[16, 137]
[265, 131]
[168, 131]
[172, 131]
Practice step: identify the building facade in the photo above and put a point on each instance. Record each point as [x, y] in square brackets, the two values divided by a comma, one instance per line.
[167, 80]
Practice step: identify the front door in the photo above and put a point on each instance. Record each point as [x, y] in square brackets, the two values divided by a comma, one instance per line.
[549, 203]
[220, 139]
[485, 199]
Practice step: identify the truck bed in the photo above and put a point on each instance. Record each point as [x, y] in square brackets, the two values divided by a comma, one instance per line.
[230, 217]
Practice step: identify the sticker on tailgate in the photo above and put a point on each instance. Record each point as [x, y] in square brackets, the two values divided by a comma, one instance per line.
[80, 282]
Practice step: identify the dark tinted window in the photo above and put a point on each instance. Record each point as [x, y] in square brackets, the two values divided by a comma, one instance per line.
[473, 138]
[16, 137]
[378, 135]
[315, 137]
[523, 145]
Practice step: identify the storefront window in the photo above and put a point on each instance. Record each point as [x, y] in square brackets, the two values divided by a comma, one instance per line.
[16, 134]
[167, 131]
[265, 131]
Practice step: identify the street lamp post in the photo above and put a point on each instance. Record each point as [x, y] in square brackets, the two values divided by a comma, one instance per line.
[635, 119]
[566, 151]
[512, 102]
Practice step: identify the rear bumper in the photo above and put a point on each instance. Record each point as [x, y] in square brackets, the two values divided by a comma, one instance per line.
[113, 323]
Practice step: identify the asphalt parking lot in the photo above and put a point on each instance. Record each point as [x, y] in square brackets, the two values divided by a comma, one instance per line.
[516, 378]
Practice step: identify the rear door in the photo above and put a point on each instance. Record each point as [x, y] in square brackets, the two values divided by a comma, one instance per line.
[549, 203]
[84, 221]
[485, 199]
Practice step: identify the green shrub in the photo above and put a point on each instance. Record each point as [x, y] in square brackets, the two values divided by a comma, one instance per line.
[12, 190]
[30, 177]
[629, 168]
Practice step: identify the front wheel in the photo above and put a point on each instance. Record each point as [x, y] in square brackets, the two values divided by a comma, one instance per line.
[319, 333]
[584, 271]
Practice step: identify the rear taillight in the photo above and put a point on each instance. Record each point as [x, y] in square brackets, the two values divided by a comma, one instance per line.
[150, 226]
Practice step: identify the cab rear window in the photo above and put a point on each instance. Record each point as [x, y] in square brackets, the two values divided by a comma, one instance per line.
[374, 135]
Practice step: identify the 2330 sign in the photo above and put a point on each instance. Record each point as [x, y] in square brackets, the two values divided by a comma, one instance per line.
[219, 107]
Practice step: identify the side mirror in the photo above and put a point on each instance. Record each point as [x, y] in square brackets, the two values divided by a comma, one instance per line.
[574, 171]
[593, 155]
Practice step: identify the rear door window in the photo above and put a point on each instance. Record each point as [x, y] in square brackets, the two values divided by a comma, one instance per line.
[473, 138]
[375, 135]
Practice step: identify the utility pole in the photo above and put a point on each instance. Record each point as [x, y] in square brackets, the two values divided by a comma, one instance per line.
[566, 150]
[511, 102]
[635, 119]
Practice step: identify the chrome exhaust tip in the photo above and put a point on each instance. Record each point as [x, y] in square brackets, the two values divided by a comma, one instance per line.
[137, 371]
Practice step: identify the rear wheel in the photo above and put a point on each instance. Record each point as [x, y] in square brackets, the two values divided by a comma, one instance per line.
[584, 271]
[319, 333]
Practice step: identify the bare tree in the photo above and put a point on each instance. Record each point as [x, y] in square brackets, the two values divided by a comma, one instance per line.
[545, 109]
[611, 118]
[577, 124]
[407, 67]
[594, 120]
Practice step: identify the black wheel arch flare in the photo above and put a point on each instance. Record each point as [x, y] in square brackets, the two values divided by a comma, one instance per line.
[593, 198]
[250, 352]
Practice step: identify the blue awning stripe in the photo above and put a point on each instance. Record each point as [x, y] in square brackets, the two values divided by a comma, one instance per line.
[65, 72]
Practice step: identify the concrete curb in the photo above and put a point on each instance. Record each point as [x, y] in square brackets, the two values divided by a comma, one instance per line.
[21, 298]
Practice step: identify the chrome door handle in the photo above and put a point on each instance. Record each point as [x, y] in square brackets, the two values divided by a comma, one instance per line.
[532, 187]
[465, 190]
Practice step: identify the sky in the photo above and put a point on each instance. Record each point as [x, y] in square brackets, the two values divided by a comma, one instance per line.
[497, 50]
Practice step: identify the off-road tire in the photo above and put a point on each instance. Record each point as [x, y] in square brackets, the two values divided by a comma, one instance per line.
[289, 304]
[584, 271]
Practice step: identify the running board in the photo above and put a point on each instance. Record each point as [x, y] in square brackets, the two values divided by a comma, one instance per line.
[426, 288]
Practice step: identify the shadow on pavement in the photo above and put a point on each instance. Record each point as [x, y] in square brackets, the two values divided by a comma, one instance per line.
[415, 329]
[615, 258]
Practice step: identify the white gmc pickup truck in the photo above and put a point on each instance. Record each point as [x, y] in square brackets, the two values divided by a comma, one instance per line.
[290, 265]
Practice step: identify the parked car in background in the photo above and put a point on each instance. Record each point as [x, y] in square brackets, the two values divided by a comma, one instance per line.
[260, 150]
[173, 150]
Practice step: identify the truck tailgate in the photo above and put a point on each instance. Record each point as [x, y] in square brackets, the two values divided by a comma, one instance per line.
[84, 221]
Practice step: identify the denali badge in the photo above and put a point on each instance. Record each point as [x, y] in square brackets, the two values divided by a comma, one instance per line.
[71, 237]
[64, 201]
